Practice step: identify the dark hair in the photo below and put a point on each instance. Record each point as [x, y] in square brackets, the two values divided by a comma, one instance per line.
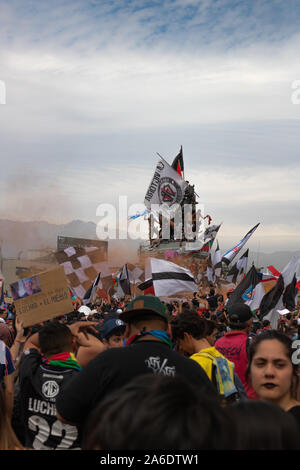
[118, 331]
[265, 323]
[156, 412]
[268, 335]
[55, 338]
[221, 318]
[264, 426]
[189, 322]
[210, 327]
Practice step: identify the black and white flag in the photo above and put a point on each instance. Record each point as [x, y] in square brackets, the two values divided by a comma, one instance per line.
[125, 280]
[167, 186]
[89, 295]
[168, 278]
[282, 295]
[238, 268]
[211, 232]
[231, 254]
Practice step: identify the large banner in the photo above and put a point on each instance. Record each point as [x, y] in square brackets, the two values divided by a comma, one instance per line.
[82, 265]
[41, 297]
[167, 186]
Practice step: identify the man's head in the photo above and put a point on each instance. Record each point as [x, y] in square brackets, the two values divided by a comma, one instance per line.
[187, 329]
[266, 324]
[112, 333]
[145, 313]
[55, 338]
[240, 317]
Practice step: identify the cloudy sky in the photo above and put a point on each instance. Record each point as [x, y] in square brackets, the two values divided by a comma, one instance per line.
[95, 88]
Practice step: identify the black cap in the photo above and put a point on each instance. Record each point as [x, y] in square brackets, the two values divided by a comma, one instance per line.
[239, 314]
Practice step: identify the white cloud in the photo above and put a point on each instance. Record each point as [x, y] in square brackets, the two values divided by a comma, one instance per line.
[74, 72]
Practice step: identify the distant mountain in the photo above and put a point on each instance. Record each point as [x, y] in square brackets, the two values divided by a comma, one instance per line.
[17, 237]
[279, 259]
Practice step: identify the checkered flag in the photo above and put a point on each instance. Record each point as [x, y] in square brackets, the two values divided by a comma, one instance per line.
[81, 266]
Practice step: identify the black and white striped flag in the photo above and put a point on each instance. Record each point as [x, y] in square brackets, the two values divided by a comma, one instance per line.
[168, 278]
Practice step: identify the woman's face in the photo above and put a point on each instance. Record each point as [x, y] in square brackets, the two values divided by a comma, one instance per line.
[271, 371]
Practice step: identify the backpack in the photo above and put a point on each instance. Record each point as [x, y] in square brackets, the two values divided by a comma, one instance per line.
[221, 378]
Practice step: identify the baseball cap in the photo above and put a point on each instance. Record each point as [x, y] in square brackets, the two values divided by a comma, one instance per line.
[144, 304]
[239, 313]
[110, 325]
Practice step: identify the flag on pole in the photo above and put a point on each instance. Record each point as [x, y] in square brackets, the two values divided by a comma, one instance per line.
[89, 295]
[211, 232]
[125, 281]
[243, 293]
[231, 254]
[283, 294]
[166, 187]
[261, 289]
[238, 268]
[178, 163]
[168, 278]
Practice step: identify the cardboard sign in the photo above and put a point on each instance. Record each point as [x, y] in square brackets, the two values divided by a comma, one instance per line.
[42, 297]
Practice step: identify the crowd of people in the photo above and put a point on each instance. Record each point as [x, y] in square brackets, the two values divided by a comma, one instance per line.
[141, 374]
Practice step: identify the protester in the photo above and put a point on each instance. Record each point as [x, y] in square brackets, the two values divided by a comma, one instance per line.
[234, 345]
[6, 334]
[272, 372]
[148, 350]
[189, 331]
[212, 300]
[112, 333]
[47, 365]
[158, 413]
